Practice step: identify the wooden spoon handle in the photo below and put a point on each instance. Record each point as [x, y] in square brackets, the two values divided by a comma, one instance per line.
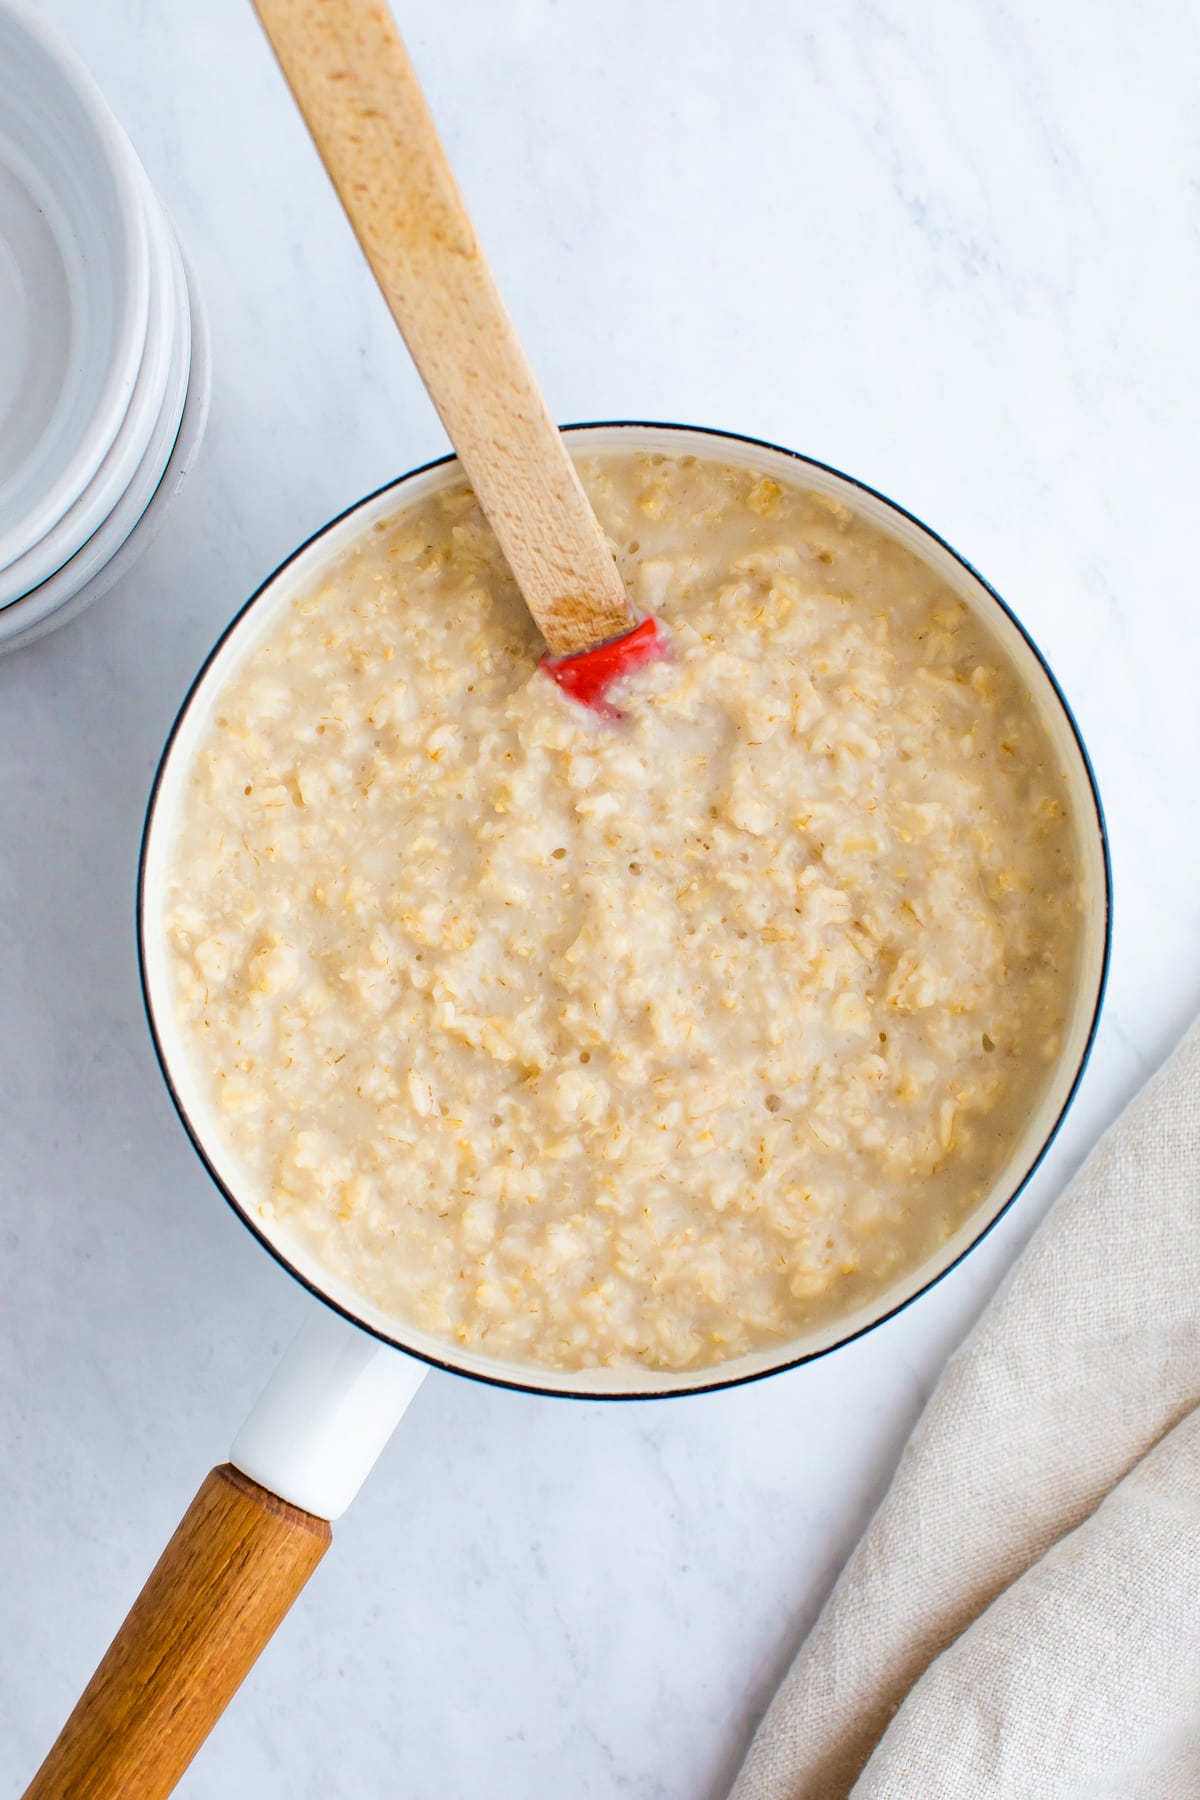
[217, 1593]
[355, 86]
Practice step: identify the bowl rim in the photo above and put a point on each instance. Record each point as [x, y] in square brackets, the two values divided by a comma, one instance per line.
[105, 491]
[710, 1379]
[100, 560]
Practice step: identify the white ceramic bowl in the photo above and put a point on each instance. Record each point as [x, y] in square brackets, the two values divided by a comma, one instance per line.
[111, 480]
[135, 521]
[259, 618]
[74, 279]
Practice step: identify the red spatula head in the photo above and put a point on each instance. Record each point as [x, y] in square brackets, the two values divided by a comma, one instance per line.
[589, 674]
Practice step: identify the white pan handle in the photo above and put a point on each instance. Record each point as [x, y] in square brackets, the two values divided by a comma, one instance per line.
[317, 1428]
[243, 1551]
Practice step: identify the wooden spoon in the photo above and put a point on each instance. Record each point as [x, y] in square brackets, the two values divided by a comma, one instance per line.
[354, 85]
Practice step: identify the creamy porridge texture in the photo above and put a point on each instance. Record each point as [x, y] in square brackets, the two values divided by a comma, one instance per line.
[648, 1042]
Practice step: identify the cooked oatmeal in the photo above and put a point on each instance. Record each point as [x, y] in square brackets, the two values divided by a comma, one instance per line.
[651, 1042]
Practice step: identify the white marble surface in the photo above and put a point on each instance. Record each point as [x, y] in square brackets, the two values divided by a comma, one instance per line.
[954, 250]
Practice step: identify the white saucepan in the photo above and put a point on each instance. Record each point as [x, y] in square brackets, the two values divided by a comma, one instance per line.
[260, 1523]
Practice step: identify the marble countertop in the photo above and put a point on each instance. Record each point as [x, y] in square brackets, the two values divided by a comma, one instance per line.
[952, 250]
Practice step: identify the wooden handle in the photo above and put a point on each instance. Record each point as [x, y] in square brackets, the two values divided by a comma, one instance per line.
[215, 1597]
[355, 86]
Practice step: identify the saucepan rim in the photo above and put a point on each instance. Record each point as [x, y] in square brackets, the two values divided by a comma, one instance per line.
[517, 1376]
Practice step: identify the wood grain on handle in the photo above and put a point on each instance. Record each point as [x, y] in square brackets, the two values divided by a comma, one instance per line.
[216, 1595]
[353, 82]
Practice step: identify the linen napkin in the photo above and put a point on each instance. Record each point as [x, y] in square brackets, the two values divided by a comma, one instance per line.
[1021, 1620]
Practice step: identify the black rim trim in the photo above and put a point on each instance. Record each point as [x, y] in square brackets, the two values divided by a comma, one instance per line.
[718, 1383]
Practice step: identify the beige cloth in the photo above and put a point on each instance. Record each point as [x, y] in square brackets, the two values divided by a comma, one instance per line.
[1021, 1620]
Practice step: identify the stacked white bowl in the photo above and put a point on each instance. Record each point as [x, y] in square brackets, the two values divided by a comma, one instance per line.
[104, 364]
